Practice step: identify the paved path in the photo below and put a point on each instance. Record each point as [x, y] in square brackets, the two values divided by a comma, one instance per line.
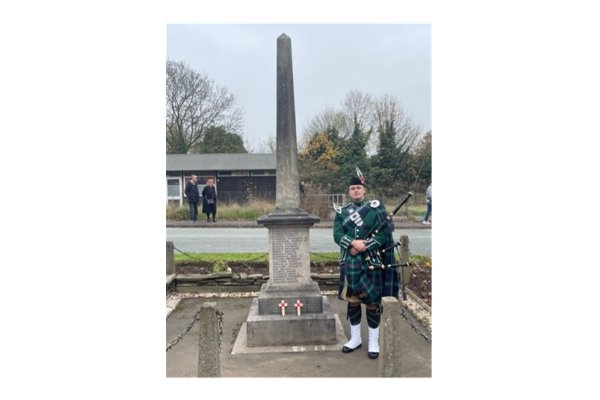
[182, 360]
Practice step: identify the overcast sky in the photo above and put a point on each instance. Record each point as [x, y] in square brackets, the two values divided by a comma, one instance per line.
[329, 61]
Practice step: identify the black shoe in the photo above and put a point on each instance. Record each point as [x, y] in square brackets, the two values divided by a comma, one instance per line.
[373, 355]
[346, 349]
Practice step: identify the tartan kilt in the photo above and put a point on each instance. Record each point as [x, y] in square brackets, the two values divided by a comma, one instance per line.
[391, 282]
[360, 284]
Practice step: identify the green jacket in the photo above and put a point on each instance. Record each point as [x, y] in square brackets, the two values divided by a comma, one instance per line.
[366, 220]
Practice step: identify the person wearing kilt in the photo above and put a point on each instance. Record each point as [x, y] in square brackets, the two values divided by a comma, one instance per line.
[363, 231]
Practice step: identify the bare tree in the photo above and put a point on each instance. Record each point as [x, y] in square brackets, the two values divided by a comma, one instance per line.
[265, 146]
[358, 109]
[323, 121]
[195, 103]
[388, 111]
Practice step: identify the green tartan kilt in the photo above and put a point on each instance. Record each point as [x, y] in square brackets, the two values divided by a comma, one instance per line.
[360, 284]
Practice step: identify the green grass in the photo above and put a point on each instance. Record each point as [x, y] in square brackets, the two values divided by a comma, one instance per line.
[417, 210]
[257, 257]
[414, 211]
[221, 257]
[224, 258]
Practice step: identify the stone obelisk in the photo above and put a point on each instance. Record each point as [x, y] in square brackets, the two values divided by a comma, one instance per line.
[288, 193]
[289, 282]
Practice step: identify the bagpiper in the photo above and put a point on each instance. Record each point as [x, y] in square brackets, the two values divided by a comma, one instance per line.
[363, 230]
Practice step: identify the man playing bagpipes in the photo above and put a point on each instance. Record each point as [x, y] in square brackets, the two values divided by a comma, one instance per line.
[368, 272]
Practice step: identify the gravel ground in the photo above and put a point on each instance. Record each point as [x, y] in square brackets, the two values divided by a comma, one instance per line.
[421, 312]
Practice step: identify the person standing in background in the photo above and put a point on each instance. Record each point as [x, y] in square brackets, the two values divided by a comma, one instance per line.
[209, 200]
[193, 196]
[428, 213]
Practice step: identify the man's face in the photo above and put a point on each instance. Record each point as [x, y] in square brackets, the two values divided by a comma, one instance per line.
[357, 192]
[209, 182]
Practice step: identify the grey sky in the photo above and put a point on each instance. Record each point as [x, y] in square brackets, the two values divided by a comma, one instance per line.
[329, 61]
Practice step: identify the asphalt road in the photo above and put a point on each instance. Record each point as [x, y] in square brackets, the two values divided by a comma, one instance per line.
[248, 240]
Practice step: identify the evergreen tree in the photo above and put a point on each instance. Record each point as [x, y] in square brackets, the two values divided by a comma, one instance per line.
[385, 170]
[423, 160]
[218, 140]
[353, 153]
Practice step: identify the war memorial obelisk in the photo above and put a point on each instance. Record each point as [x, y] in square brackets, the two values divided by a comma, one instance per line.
[290, 309]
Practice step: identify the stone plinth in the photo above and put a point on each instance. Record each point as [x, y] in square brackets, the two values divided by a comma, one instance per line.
[275, 330]
[289, 247]
[270, 296]
[290, 281]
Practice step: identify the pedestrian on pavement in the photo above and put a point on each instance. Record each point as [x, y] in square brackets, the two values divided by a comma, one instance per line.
[209, 200]
[362, 230]
[428, 213]
[193, 196]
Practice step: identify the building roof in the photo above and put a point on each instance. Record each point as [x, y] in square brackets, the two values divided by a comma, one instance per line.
[221, 162]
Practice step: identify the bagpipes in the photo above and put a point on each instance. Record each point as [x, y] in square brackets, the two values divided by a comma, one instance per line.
[390, 218]
[389, 221]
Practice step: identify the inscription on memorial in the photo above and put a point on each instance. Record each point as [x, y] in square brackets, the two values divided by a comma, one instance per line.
[287, 247]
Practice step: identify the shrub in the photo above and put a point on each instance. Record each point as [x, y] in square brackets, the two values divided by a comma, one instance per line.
[219, 266]
[232, 212]
[175, 213]
[246, 212]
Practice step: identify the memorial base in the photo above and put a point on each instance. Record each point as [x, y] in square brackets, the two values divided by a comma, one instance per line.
[309, 295]
[291, 329]
[289, 284]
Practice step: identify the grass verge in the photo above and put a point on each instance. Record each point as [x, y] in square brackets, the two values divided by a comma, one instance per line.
[233, 257]
[229, 212]
[223, 258]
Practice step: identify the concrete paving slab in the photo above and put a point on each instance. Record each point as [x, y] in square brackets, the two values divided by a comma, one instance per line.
[182, 360]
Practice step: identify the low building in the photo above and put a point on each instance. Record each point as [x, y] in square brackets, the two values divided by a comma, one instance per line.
[238, 177]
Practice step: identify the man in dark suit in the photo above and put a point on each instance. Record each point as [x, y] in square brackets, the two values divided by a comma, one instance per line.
[193, 196]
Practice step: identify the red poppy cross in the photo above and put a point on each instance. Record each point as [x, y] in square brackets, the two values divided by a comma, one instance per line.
[298, 306]
[282, 305]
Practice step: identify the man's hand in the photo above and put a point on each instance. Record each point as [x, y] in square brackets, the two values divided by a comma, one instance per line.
[358, 245]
